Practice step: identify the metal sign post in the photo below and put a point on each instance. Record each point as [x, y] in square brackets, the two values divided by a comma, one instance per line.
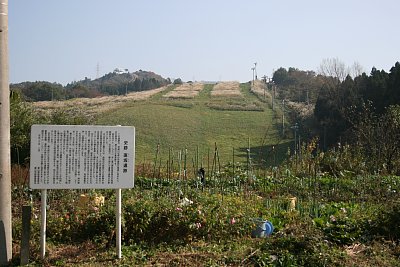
[118, 223]
[43, 223]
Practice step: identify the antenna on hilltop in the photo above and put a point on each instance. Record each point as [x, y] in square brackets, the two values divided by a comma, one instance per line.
[98, 70]
[264, 78]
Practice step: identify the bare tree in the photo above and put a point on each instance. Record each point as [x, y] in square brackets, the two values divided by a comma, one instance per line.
[378, 136]
[356, 69]
[333, 69]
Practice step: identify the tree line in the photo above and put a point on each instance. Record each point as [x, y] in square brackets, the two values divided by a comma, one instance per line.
[113, 83]
[350, 107]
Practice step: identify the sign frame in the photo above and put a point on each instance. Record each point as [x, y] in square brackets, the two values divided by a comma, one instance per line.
[82, 157]
[117, 149]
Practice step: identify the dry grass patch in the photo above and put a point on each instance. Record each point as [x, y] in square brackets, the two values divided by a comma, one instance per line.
[95, 105]
[302, 109]
[226, 89]
[186, 90]
[259, 89]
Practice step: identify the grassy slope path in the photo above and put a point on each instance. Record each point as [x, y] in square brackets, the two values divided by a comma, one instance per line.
[201, 121]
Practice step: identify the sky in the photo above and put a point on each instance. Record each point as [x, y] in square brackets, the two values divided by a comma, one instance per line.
[207, 40]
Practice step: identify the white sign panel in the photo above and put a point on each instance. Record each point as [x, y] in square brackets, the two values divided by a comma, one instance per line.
[82, 157]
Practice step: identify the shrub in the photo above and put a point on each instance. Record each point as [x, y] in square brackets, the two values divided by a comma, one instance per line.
[298, 244]
[386, 223]
[338, 224]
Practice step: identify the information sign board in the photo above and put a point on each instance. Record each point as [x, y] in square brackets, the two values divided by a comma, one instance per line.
[82, 157]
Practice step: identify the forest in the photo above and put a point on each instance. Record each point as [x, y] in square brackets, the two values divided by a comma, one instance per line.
[358, 109]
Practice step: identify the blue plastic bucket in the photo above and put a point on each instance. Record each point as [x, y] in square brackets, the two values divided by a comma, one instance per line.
[263, 229]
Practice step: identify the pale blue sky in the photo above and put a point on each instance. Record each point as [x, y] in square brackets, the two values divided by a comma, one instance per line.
[63, 41]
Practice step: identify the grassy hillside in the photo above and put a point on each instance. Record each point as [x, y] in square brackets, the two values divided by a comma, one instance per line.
[229, 120]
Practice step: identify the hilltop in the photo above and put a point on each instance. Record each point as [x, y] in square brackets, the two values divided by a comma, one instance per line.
[121, 82]
[114, 83]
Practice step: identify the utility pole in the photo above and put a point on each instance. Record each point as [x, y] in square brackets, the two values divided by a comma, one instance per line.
[295, 128]
[5, 157]
[283, 117]
[264, 78]
[253, 74]
[273, 95]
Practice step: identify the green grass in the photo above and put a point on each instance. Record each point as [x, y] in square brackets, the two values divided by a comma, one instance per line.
[191, 123]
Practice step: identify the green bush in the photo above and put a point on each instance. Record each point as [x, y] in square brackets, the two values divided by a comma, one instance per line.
[209, 217]
[386, 223]
[338, 223]
[300, 243]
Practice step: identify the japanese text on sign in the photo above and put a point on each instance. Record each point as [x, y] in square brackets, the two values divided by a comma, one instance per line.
[82, 156]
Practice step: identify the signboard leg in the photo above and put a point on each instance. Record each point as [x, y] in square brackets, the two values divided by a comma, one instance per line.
[85, 151]
[118, 222]
[43, 224]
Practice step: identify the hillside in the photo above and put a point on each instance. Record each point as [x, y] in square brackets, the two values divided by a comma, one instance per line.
[192, 116]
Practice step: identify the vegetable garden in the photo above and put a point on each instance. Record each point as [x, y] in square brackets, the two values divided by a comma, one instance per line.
[326, 211]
